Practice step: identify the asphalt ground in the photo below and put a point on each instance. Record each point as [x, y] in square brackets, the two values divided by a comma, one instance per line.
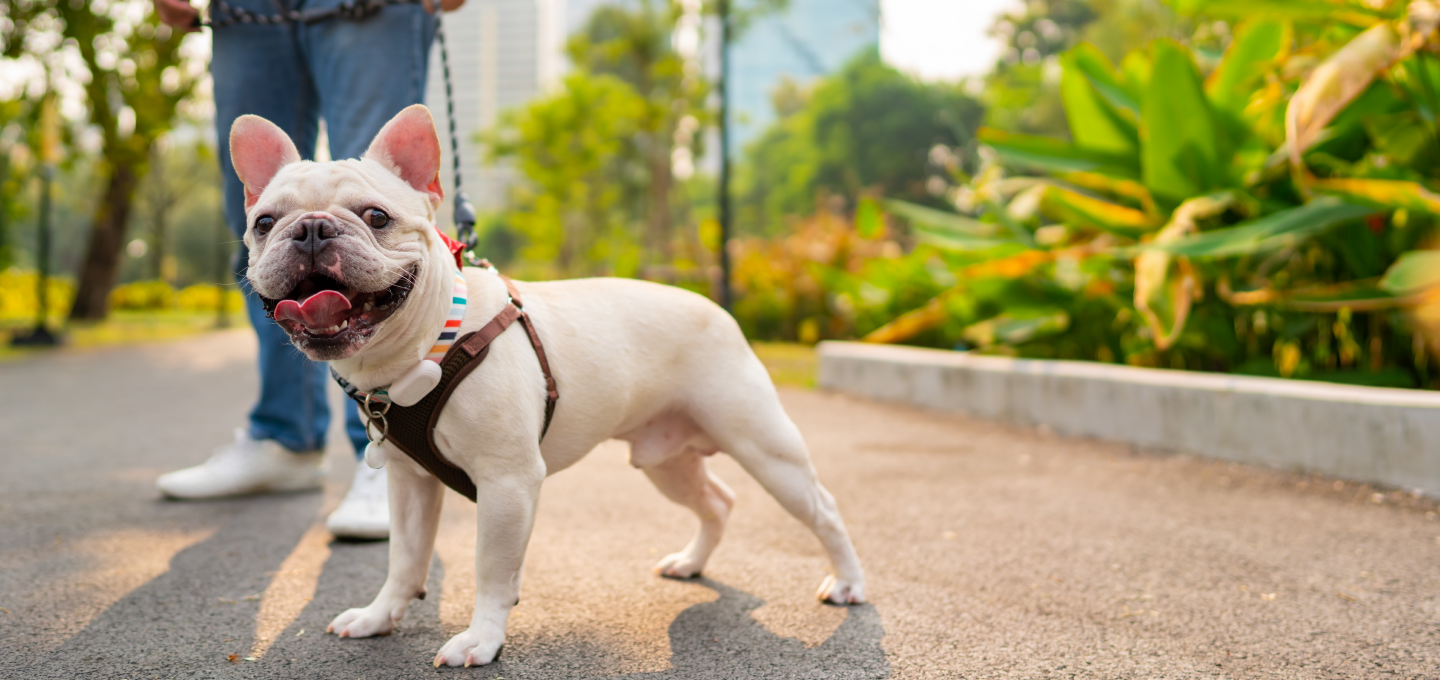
[991, 551]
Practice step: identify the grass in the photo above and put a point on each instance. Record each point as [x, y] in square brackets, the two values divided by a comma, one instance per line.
[790, 364]
[122, 328]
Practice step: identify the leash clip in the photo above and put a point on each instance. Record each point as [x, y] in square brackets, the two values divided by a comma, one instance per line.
[373, 414]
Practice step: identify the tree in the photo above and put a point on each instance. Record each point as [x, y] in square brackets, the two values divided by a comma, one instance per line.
[576, 151]
[134, 80]
[173, 177]
[14, 172]
[637, 44]
[867, 128]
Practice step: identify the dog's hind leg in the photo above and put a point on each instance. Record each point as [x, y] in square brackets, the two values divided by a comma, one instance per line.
[685, 479]
[767, 444]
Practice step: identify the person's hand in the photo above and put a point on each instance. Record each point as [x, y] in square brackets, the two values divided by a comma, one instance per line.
[449, 5]
[179, 14]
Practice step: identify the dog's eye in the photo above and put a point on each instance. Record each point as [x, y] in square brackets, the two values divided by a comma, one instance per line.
[377, 219]
[264, 224]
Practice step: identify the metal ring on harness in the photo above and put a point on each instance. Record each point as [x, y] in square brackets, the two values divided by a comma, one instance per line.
[373, 414]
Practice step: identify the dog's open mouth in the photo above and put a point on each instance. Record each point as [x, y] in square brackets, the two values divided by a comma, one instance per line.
[322, 308]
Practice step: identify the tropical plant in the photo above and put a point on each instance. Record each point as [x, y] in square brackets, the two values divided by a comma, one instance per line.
[1269, 216]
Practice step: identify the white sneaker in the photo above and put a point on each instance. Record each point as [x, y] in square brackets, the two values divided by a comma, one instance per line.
[247, 466]
[365, 512]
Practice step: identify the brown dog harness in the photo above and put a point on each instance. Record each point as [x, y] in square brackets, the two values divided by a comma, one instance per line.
[412, 428]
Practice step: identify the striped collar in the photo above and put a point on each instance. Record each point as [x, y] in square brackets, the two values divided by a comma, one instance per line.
[459, 295]
[451, 328]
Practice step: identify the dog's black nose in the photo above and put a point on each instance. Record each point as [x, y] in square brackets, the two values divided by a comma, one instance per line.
[310, 233]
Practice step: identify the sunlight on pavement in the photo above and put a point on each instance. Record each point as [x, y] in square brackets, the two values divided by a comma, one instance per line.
[119, 562]
[292, 588]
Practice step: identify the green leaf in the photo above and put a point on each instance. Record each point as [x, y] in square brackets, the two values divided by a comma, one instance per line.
[869, 222]
[1257, 43]
[1007, 330]
[1057, 156]
[1137, 68]
[1406, 140]
[1102, 75]
[1321, 10]
[954, 241]
[1095, 122]
[1181, 151]
[1267, 233]
[941, 221]
[1414, 271]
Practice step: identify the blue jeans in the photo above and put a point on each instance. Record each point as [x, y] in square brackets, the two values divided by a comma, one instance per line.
[354, 74]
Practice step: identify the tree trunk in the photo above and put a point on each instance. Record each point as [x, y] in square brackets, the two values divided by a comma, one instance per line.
[659, 208]
[157, 259]
[107, 236]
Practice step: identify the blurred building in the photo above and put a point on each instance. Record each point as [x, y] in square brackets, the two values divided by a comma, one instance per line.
[504, 53]
[810, 39]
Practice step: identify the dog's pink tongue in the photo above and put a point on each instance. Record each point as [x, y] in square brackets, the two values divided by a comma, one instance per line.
[324, 309]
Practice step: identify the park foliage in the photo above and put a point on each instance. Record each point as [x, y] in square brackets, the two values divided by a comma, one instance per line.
[1225, 185]
[1263, 210]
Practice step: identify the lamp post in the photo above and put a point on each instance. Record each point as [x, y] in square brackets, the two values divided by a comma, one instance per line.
[225, 275]
[41, 335]
[726, 299]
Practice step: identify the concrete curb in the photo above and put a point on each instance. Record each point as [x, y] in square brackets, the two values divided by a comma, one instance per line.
[1371, 434]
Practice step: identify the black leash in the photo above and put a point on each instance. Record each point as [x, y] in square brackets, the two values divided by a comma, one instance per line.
[360, 10]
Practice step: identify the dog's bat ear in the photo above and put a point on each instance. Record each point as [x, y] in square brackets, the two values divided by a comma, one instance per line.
[258, 149]
[409, 147]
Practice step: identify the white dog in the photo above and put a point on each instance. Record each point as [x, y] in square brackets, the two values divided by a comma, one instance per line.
[659, 367]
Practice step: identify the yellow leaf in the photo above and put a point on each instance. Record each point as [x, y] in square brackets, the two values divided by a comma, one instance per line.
[1166, 284]
[1124, 188]
[1424, 317]
[1382, 193]
[1078, 210]
[913, 322]
[933, 314]
[1335, 83]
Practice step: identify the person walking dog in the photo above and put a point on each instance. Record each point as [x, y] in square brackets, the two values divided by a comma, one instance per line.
[355, 73]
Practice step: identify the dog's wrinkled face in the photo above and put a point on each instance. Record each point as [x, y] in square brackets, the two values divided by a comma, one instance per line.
[336, 248]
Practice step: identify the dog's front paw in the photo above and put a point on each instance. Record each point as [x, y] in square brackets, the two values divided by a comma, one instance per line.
[679, 565]
[359, 623]
[476, 646]
[836, 591]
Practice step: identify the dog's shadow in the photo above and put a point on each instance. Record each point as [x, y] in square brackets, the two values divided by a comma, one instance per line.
[180, 626]
[720, 639]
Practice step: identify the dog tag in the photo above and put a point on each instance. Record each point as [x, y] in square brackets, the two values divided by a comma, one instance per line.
[415, 384]
[375, 455]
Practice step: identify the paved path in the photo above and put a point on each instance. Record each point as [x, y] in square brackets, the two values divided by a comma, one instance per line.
[991, 552]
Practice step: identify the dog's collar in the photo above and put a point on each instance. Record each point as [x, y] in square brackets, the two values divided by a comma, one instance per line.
[459, 295]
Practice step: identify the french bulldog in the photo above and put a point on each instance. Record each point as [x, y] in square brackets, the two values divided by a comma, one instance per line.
[346, 256]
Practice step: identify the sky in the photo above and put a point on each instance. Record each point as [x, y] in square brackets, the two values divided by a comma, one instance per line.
[940, 39]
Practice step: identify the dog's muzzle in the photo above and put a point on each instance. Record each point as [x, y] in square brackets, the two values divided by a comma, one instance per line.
[322, 308]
